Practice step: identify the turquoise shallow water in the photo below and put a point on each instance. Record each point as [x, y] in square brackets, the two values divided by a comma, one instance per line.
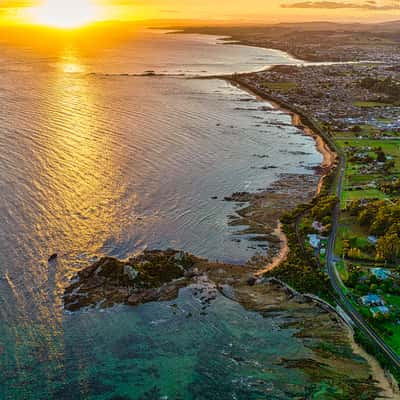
[156, 351]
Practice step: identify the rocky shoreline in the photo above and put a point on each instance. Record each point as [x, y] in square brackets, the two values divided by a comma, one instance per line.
[159, 275]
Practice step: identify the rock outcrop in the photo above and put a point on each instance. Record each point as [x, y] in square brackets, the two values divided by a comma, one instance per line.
[151, 276]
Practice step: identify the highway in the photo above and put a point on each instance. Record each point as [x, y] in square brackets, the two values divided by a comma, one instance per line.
[336, 282]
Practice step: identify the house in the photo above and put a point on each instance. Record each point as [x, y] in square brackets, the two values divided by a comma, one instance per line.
[318, 226]
[314, 241]
[380, 273]
[372, 300]
[380, 311]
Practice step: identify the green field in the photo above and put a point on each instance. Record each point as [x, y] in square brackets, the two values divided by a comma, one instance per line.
[366, 132]
[393, 300]
[371, 104]
[357, 235]
[357, 185]
[341, 267]
[389, 146]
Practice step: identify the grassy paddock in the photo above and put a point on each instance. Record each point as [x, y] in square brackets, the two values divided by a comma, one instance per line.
[371, 104]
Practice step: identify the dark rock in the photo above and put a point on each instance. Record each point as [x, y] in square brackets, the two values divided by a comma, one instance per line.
[191, 273]
[252, 281]
[269, 167]
[145, 296]
[240, 197]
[53, 257]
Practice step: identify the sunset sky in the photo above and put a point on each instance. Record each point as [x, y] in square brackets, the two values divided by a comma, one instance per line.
[223, 10]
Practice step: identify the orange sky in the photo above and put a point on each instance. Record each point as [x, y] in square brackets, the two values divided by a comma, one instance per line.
[223, 10]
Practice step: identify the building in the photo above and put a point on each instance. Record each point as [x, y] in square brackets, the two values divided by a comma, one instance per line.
[372, 300]
[380, 273]
[314, 241]
[380, 311]
[318, 226]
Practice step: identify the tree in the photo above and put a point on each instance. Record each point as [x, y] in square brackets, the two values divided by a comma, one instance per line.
[380, 155]
[354, 253]
[389, 166]
[389, 247]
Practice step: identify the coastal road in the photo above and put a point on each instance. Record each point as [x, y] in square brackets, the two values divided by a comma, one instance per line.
[336, 282]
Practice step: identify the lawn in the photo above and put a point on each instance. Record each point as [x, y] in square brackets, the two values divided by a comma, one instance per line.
[394, 340]
[349, 195]
[393, 300]
[356, 184]
[368, 130]
[357, 235]
[342, 269]
[342, 230]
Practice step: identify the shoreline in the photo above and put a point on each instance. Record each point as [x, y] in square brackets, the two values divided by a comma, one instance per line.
[330, 158]
[330, 161]
[281, 256]
[386, 383]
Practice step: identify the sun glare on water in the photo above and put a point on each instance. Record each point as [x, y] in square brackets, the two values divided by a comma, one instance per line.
[66, 14]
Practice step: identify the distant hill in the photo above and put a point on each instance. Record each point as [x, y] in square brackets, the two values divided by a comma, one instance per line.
[389, 26]
[317, 26]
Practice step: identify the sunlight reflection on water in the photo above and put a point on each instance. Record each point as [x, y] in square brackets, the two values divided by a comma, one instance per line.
[94, 164]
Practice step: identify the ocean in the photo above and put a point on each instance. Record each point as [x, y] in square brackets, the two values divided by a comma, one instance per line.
[112, 151]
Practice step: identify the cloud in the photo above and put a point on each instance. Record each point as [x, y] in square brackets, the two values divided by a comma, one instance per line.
[332, 5]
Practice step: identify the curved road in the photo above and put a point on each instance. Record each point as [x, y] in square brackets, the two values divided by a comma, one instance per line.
[336, 282]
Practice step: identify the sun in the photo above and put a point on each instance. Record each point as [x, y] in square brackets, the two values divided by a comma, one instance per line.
[66, 14]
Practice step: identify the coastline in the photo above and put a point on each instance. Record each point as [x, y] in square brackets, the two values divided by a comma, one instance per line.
[385, 382]
[251, 296]
[331, 160]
